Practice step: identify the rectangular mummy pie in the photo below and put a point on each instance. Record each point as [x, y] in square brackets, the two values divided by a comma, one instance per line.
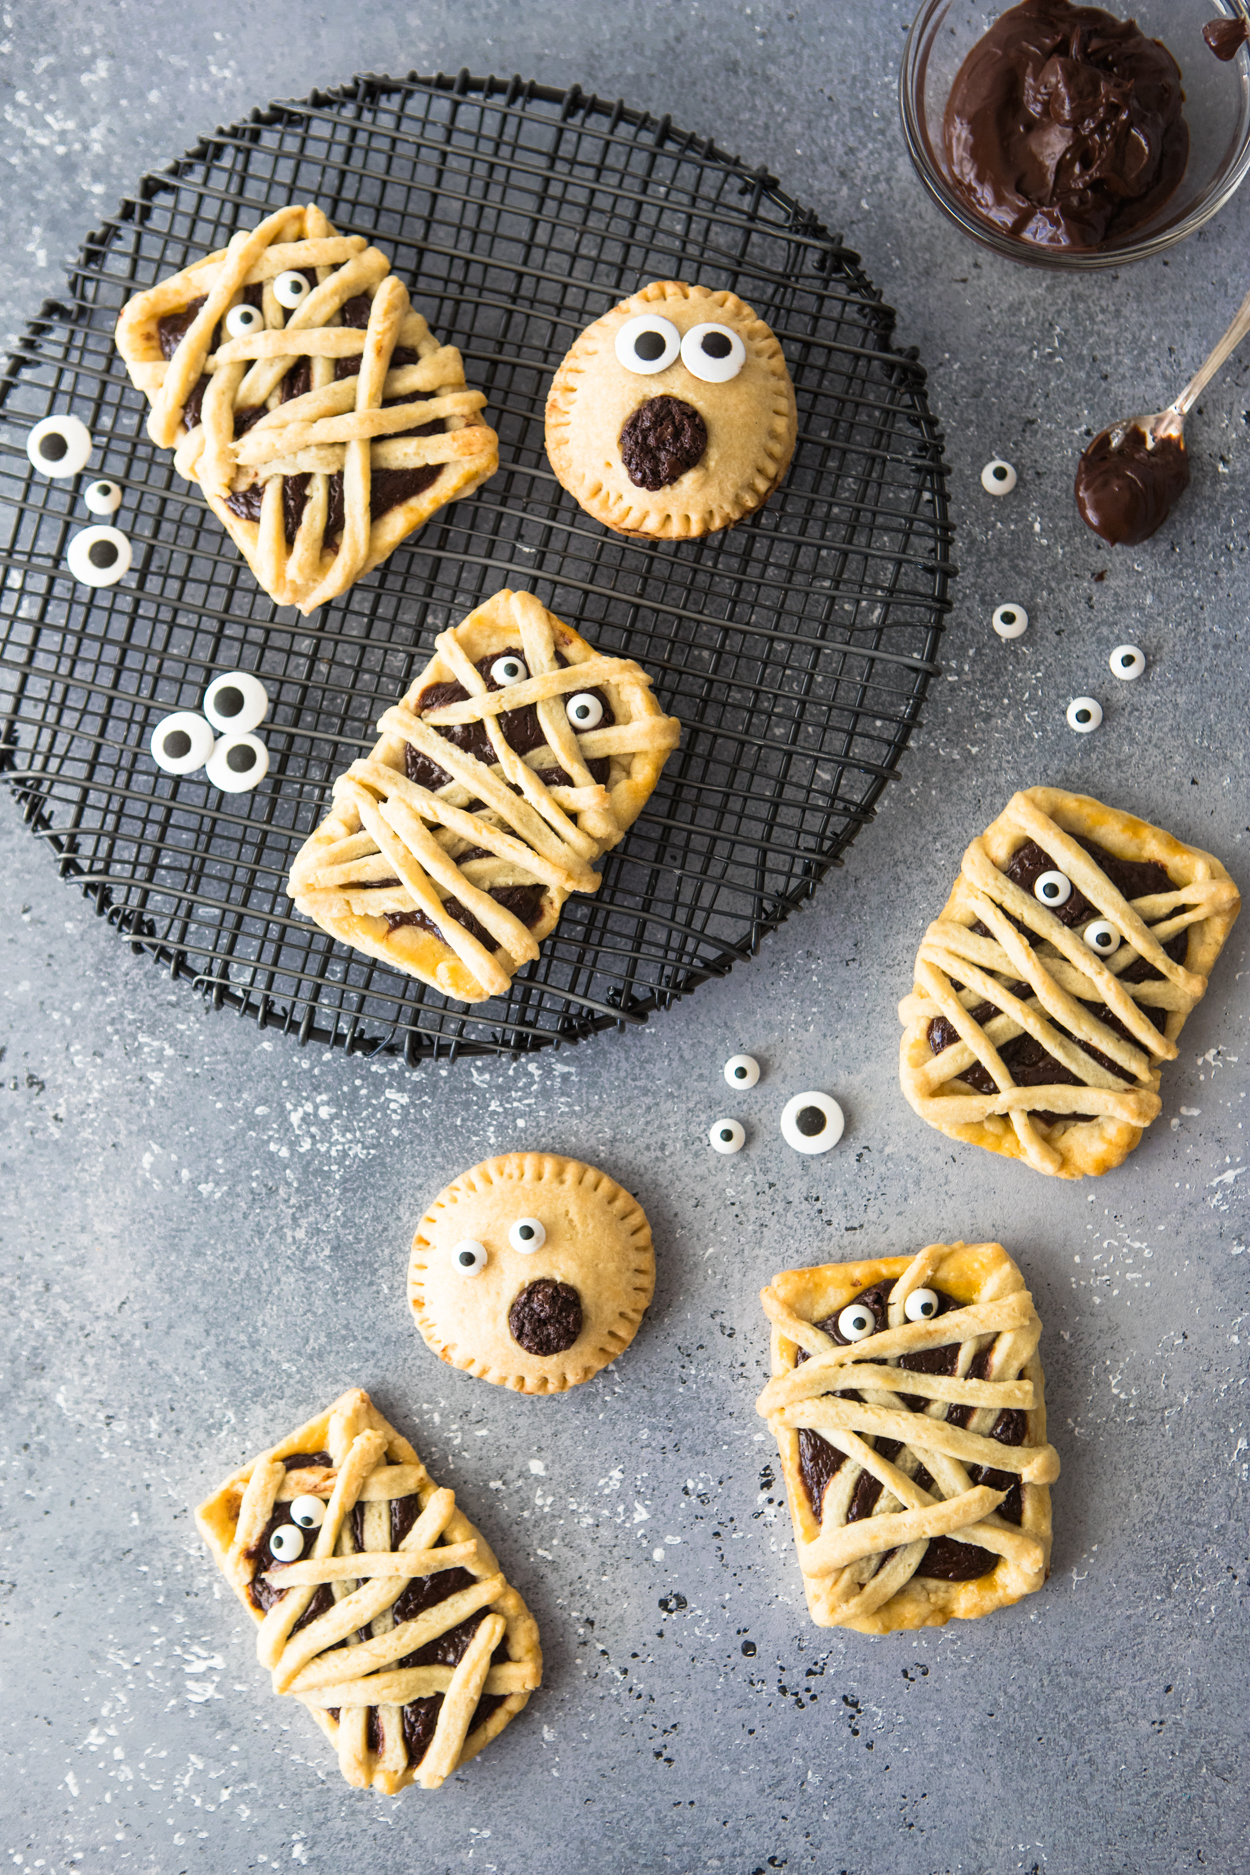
[378, 1605]
[451, 848]
[319, 415]
[1057, 979]
[908, 1409]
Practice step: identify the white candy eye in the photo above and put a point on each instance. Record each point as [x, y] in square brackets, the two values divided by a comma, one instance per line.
[1128, 662]
[726, 1136]
[507, 671]
[59, 446]
[1084, 714]
[287, 1543]
[468, 1258]
[291, 289]
[237, 764]
[647, 343]
[102, 497]
[921, 1305]
[181, 743]
[235, 702]
[1010, 621]
[998, 477]
[584, 711]
[99, 556]
[527, 1235]
[241, 320]
[1102, 937]
[742, 1070]
[857, 1322]
[308, 1512]
[1052, 889]
[811, 1122]
[713, 353]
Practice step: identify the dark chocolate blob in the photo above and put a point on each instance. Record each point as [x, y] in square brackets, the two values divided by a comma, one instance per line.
[546, 1317]
[1126, 493]
[662, 439]
[1226, 37]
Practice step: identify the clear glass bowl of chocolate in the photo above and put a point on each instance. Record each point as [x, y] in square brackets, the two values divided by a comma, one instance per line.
[1078, 137]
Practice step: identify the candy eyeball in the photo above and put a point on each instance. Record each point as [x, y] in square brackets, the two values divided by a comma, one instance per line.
[1127, 662]
[647, 343]
[291, 289]
[998, 477]
[584, 711]
[308, 1512]
[921, 1305]
[1084, 714]
[742, 1070]
[726, 1136]
[99, 556]
[1102, 937]
[713, 353]
[508, 670]
[469, 1257]
[527, 1235]
[237, 763]
[811, 1122]
[235, 702]
[857, 1322]
[102, 497]
[243, 320]
[1010, 621]
[59, 446]
[287, 1543]
[1052, 889]
[181, 743]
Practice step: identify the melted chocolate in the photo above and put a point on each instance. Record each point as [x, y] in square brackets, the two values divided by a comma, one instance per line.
[662, 439]
[523, 901]
[1125, 494]
[1064, 125]
[1226, 37]
[546, 1317]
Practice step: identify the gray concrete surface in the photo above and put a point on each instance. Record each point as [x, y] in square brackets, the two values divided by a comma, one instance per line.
[205, 1229]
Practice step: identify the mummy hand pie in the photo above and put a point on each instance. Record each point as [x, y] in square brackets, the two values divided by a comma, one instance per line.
[674, 414]
[378, 1605]
[1058, 978]
[319, 415]
[531, 1271]
[451, 848]
[906, 1400]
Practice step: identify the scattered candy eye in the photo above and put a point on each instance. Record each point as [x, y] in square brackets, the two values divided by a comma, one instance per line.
[713, 353]
[59, 446]
[1102, 937]
[1128, 662]
[584, 711]
[291, 289]
[507, 671]
[469, 1258]
[742, 1070]
[1010, 621]
[998, 477]
[308, 1512]
[102, 497]
[1084, 714]
[726, 1136]
[527, 1235]
[241, 320]
[235, 702]
[237, 763]
[287, 1543]
[921, 1305]
[811, 1122]
[647, 343]
[1052, 889]
[181, 743]
[857, 1322]
[99, 556]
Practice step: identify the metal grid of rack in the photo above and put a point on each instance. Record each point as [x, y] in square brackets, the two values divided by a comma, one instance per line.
[796, 648]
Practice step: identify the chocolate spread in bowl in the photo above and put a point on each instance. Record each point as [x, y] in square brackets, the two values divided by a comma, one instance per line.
[1125, 493]
[1226, 37]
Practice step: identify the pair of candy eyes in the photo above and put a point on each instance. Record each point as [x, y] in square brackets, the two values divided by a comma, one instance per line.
[289, 289]
[583, 710]
[710, 352]
[470, 1258]
[857, 1320]
[1053, 889]
[287, 1541]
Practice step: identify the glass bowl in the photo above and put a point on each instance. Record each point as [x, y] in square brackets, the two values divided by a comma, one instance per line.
[1217, 110]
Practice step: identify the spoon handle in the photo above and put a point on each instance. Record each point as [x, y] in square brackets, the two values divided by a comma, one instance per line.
[1219, 356]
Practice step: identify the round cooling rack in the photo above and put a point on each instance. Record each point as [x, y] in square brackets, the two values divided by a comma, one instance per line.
[796, 649]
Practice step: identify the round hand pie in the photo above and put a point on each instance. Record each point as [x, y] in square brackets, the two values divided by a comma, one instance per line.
[531, 1271]
[673, 415]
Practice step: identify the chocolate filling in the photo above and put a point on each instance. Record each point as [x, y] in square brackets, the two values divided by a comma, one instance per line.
[1126, 494]
[662, 439]
[546, 1317]
[1226, 37]
[523, 901]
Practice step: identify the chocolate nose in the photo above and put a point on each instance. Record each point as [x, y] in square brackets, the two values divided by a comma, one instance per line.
[662, 439]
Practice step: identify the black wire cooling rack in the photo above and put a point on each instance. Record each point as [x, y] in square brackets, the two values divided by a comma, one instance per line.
[796, 649]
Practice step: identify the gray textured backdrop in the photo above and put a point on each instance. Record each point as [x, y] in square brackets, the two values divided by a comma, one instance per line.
[205, 1229]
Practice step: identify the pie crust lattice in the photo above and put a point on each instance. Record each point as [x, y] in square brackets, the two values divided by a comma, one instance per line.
[348, 1663]
[308, 399]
